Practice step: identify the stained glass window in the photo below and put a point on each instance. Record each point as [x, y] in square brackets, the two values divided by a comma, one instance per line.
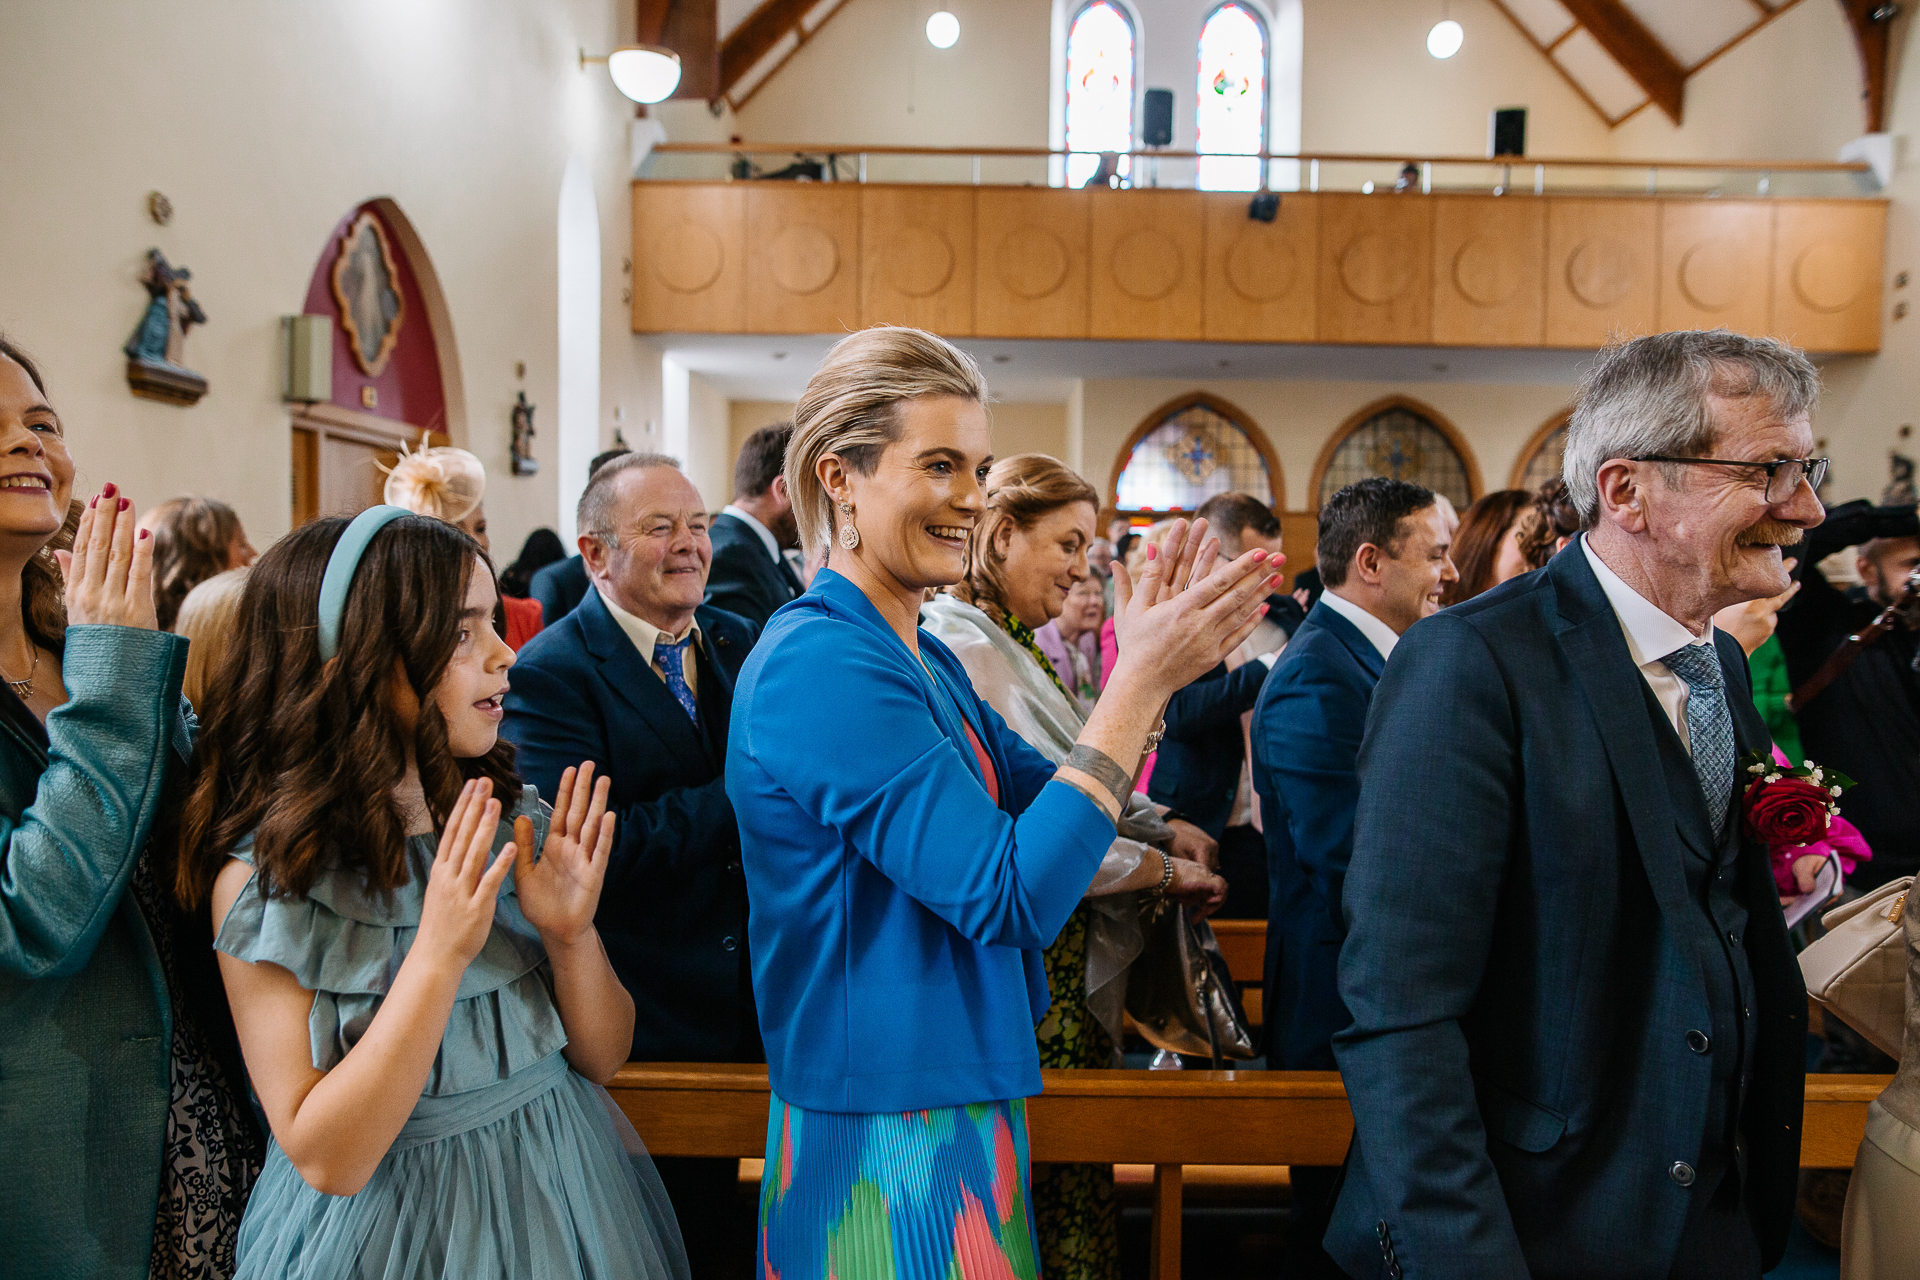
[1192, 455]
[1544, 465]
[1401, 445]
[1232, 113]
[1099, 88]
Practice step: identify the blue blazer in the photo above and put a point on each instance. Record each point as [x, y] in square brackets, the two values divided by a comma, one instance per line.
[673, 911]
[1306, 768]
[898, 914]
[560, 587]
[1522, 961]
[744, 579]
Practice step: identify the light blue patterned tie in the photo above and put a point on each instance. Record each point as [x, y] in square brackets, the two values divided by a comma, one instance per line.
[671, 657]
[1709, 725]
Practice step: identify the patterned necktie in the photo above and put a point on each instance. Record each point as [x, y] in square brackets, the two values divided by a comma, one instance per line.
[1709, 725]
[671, 658]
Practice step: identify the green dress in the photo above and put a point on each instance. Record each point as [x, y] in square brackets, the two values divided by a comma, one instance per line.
[1770, 689]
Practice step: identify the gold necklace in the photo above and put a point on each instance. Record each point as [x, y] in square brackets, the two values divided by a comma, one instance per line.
[24, 688]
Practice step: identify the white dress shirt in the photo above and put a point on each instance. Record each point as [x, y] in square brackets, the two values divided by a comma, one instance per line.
[767, 540]
[646, 637]
[1651, 635]
[1382, 636]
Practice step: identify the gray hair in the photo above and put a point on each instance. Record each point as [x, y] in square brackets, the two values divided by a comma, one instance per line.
[594, 516]
[1651, 396]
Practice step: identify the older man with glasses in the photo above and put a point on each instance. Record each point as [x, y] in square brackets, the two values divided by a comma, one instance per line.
[1578, 1032]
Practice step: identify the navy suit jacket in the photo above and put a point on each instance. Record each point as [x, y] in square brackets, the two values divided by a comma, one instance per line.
[673, 912]
[560, 587]
[1306, 768]
[1198, 768]
[745, 580]
[1521, 965]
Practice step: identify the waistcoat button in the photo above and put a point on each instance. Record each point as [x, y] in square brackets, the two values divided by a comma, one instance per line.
[1682, 1173]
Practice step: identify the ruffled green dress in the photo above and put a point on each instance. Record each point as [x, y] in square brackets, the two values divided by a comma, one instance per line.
[510, 1166]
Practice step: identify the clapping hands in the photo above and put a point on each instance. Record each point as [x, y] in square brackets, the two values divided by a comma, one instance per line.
[560, 893]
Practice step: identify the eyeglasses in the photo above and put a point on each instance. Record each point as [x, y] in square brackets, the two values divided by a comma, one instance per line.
[1783, 475]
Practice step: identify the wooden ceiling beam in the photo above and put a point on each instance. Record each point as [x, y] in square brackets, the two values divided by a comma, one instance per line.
[755, 38]
[1639, 54]
[1871, 21]
[691, 28]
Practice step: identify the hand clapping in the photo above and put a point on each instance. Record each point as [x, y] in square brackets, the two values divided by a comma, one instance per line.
[465, 881]
[1186, 614]
[109, 572]
[560, 892]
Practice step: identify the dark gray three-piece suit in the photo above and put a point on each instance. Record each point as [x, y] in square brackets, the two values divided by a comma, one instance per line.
[1578, 1030]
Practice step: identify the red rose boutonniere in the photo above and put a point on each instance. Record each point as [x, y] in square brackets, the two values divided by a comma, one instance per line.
[1789, 805]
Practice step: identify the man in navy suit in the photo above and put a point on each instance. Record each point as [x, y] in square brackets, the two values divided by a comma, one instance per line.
[1383, 554]
[639, 679]
[750, 577]
[1578, 1036]
[560, 586]
[1200, 773]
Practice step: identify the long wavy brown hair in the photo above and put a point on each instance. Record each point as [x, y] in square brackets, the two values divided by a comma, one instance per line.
[192, 540]
[306, 754]
[1476, 543]
[43, 591]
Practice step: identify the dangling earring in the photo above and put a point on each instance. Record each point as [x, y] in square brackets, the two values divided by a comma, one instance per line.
[849, 536]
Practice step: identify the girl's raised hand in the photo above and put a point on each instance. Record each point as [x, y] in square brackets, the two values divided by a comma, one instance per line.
[109, 572]
[466, 879]
[560, 893]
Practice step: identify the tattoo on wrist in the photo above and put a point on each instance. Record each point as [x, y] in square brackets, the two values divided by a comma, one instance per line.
[1101, 767]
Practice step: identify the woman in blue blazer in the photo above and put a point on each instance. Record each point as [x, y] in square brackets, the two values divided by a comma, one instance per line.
[907, 856]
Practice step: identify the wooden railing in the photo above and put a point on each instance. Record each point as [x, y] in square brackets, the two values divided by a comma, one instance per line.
[1163, 1118]
[1560, 270]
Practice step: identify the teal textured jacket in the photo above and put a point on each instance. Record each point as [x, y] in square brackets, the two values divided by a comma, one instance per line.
[85, 1026]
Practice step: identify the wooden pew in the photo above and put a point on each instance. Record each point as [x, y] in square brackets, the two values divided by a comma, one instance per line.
[1163, 1118]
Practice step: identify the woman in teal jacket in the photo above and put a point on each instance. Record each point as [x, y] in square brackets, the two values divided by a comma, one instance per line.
[115, 1115]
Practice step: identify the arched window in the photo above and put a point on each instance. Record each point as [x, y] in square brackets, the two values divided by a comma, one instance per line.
[1232, 113]
[1099, 88]
[1540, 459]
[1189, 450]
[1401, 441]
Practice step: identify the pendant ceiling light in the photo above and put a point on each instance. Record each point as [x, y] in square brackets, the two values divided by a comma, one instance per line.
[1445, 39]
[643, 72]
[943, 30]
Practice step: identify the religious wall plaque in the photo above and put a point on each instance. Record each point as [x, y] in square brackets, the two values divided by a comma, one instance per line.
[366, 288]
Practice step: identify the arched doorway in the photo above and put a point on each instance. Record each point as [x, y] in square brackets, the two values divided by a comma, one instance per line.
[1188, 450]
[1403, 439]
[1539, 459]
[396, 375]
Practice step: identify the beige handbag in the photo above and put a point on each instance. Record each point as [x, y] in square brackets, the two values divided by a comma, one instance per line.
[1858, 970]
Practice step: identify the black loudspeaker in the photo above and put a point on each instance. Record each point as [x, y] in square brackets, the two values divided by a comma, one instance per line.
[1265, 207]
[1156, 128]
[1507, 134]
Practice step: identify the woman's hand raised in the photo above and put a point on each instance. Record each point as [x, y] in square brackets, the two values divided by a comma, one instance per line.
[109, 572]
[1187, 612]
[457, 915]
[560, 893]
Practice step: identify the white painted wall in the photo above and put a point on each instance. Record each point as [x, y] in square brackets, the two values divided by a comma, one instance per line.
[264, 124]
[579, 343]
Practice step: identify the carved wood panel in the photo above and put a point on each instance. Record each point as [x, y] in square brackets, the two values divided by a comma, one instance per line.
[1146, 253]
[1489, 266]
[1601, 276]
[917, 258]
[1828, 259]
[1031, 250]
[1375, 269]
[689, 258]
[803, 257]
[1711, 265]
[1259, 284]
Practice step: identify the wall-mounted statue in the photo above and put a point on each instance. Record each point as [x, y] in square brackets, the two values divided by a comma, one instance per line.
[1900, 490]
[524, 463]
[154, 371]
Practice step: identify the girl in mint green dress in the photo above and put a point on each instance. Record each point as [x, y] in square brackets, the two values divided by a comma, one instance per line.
[426, 1011]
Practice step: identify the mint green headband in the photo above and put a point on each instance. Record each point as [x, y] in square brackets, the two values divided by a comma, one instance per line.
[340, 569]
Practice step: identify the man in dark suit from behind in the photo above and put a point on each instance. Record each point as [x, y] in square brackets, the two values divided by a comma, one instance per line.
[1579, 1029]
[750, 577]
[1201, 770]
[1383, 552]
[560, 586]
[639, 679]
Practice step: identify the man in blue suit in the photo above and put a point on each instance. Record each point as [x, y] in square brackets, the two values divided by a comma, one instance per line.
[639, 679]
[562, 585]
[1383, 554]
[1578, 1035]
[750, 576]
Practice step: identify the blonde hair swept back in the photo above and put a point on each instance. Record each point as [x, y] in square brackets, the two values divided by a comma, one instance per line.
[851, 409]
[1021, 490]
